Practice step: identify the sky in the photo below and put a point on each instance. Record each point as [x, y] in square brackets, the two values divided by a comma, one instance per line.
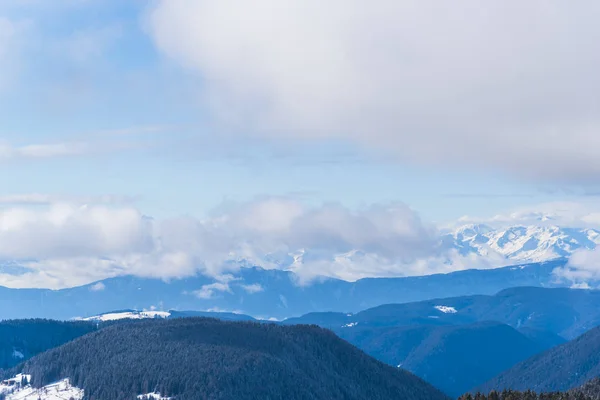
[121, 121]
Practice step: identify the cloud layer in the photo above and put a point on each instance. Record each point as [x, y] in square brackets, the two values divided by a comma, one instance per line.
[69, 244]
[466, 84]
[563, 214]
[66, 244]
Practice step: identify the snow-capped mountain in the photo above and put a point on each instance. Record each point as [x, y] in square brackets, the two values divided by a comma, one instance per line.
[521, 243]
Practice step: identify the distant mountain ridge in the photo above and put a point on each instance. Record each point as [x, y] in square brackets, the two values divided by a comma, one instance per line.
[521, 243]
[560, 311]
[265, 293]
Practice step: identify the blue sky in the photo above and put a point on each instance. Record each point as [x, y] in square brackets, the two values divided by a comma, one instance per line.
[88, 71]
[188, 108]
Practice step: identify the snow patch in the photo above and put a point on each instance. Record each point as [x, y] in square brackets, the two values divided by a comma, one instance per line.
[128, 315]
[446, 309]
[17, 354]
[152, 396]
[350, 325]
[62, 390]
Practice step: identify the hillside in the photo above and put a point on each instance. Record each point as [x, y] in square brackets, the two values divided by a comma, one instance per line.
[23, 339]
[265, 293]
[564, 312]
[452, 358]
[199, 358]
[590, 389]
[561, 368]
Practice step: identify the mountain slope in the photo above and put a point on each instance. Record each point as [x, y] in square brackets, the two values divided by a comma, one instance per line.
[564, 312]
[199, 358]
[452, 358]
[22, 339]
[561, 368]
[264, 293]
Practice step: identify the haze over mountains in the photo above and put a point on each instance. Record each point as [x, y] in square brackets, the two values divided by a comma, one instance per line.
[266, 293]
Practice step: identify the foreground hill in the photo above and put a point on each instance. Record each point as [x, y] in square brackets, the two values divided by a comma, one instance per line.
[559, 369]
[199, 358]
[590, 389]
[22, 339]
[452, 358]
[265, 293]
[564, 312]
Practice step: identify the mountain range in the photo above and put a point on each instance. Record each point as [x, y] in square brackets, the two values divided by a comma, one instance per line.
[559, 311]
[266, 293]
[520, 243]
[512, 244]
[459, 343]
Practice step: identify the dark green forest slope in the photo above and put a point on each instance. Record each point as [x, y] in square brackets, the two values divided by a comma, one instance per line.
[452, 358]
[200, 358]
[589, 391]
[23, 339]
[561, 368]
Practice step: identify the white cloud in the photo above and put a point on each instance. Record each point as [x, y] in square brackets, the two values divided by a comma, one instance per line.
[563, 214]
[253, 288]
[70, 231]
[426, 81]
[8, 152]
[210, 291]
[67, 244]
[582, 270]
[98, 287]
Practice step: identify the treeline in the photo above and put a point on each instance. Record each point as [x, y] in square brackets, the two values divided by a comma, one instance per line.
[200, 358]
[529, 395]
[23, 339]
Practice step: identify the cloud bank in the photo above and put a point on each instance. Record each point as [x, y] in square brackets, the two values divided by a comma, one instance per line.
[465, 84]
[65, 244]
[564, 214]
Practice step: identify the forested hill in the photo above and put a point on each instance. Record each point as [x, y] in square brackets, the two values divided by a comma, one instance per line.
[22, 339]
[200, 358]
[561, 368]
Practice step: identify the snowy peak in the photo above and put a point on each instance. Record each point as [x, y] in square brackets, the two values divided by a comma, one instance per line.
[521, 243]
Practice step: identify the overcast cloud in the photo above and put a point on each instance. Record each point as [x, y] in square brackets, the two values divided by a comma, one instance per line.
[504, 85]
